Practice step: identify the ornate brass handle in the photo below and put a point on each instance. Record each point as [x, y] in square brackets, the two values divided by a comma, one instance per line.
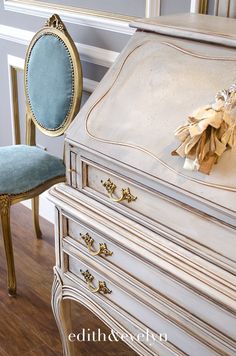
[125, 193]
[103, 250]
[102, 288]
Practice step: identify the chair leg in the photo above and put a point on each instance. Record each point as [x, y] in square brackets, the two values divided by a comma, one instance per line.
[35, 210]
[6, 231]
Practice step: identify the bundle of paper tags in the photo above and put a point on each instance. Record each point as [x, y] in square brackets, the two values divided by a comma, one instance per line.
[208, 133]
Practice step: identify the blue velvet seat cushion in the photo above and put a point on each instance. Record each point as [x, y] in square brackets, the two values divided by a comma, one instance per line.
[23, 168]
[50, 81]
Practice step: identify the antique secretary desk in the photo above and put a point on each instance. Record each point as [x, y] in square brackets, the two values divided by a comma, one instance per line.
[141, 241]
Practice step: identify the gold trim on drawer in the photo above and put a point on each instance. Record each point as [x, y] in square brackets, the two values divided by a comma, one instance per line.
[103, 250]
[125, 193]
[102, 287]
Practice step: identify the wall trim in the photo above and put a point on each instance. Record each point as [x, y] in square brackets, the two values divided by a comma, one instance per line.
[226, 8]
[14, 64]
[91, 54]
[199, 6]
[79, 16]
[89, 85]
[153, 8]
[91, 18]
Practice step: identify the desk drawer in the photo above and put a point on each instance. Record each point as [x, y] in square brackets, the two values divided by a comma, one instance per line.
[195, 231]
[118, 293]
[200, 303]
[132, 261]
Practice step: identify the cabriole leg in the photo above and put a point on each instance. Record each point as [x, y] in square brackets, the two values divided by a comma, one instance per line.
[6, 231]
[62, 313]
[35, 211]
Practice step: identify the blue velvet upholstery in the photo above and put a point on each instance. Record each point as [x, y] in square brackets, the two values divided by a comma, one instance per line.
[49, 81]
[23, 168]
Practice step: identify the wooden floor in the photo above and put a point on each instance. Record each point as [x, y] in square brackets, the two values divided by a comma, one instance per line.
[27, 326]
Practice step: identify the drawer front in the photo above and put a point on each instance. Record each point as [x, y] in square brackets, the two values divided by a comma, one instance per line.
[119, 295]
[149, 277]
[197, 231]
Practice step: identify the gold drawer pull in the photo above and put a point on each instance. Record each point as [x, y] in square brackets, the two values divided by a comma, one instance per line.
[103, 250]
[102, 287]
[71, 170]
[125, 193]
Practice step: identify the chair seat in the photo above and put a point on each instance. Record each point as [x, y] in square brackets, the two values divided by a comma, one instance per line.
[23, 168]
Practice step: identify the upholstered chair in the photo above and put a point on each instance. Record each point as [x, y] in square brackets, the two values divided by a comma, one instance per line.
[53, 88]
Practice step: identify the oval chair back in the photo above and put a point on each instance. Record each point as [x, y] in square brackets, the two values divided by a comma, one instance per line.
[53, 78]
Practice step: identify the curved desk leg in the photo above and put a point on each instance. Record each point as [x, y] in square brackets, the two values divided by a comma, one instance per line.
[62, 314]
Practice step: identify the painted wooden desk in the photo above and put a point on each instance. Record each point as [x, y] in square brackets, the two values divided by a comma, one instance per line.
[140, 241]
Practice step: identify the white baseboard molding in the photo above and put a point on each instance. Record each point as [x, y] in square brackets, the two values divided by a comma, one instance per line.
[95, 55]
[46, 208]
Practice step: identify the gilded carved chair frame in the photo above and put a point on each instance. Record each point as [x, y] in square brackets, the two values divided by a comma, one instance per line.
[55, 27]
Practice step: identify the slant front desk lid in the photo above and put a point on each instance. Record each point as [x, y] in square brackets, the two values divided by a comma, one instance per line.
[158, 80]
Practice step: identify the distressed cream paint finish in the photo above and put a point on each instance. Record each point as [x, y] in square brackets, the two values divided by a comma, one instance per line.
[173, 264]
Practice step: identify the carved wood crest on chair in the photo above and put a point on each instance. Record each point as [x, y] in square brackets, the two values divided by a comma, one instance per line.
[53, 89]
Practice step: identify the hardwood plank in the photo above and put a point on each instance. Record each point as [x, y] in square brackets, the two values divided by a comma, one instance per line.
[43, 350]
[3, 353]
[27, 325]
[16, 338]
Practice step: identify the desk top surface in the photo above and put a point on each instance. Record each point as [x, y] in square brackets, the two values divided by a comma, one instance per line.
[199, 27]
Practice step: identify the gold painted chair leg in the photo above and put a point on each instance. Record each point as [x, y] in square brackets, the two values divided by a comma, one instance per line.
[35, 211]
[6, 231]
